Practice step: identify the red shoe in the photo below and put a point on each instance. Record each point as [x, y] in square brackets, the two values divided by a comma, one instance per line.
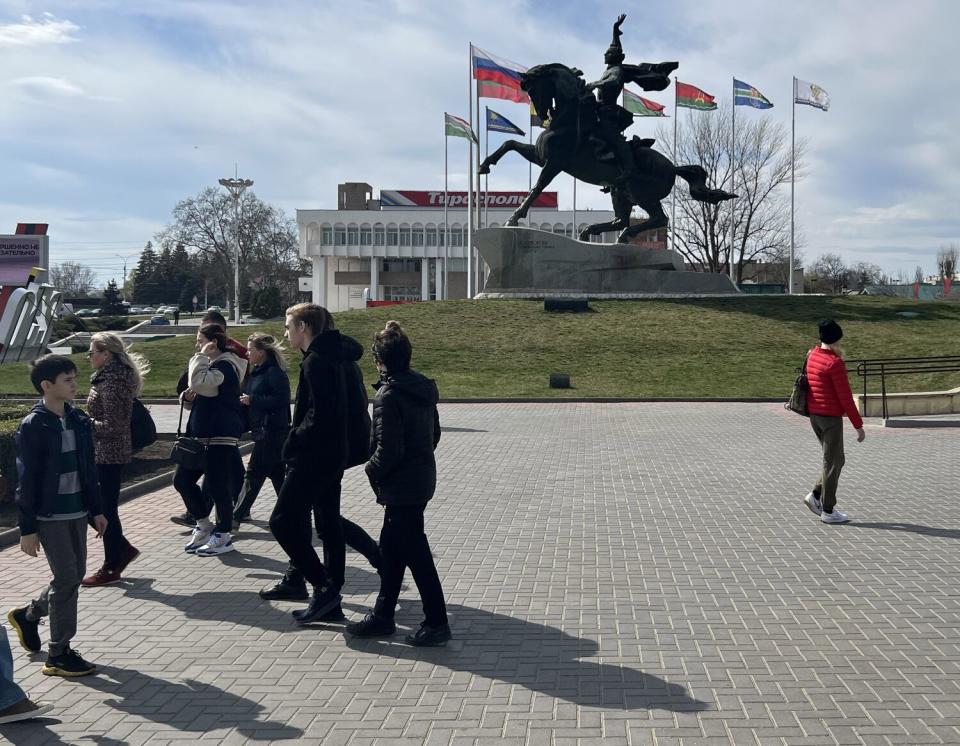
[103, 576]
[129, 555]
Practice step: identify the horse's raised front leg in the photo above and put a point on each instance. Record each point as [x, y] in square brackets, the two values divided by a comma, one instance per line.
[657, 219]
[525, 149]
[547, 174]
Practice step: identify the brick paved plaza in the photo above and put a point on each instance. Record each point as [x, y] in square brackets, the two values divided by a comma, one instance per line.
[616, 574]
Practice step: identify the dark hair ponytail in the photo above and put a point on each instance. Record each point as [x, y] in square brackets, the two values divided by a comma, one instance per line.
[392, 348]
[215, 333]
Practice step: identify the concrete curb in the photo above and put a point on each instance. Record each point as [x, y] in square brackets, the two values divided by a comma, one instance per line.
[9, 536]
[543, 400]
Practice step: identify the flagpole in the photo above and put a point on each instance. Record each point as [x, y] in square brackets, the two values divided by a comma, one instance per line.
[733, 178]
[486, 178]
[530, 177]
[793, 167]
[470, 180]
[574, 206]
[476, 275]
[446, 200]
[673, 207]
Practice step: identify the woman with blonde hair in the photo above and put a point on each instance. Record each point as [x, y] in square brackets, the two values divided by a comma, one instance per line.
[116, 381]
[267, 398]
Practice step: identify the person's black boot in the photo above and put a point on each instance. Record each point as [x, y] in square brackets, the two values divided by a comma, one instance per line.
[184, 519]
[372, 626]
[26, 630]
[325, 599]
[285, 589]
[428, 637]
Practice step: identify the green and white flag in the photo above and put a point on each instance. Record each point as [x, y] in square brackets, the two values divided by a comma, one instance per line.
[459, 128]
[640, 106]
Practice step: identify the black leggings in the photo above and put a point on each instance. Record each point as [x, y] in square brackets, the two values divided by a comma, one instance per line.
[114, 542]
[219, 486]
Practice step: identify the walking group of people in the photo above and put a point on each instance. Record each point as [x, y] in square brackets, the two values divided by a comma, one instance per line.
[70, 466]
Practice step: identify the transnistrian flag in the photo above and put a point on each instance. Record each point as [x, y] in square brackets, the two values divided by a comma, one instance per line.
[810, 94]
[693, 98]
[745, 94]
[459, 127]
[640, 106]
[497, 77]
[499, 123]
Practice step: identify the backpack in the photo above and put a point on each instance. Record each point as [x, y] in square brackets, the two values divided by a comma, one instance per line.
[143, 430]
[358, 420]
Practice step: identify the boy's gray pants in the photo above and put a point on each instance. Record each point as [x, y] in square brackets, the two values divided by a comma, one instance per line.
[64, 544]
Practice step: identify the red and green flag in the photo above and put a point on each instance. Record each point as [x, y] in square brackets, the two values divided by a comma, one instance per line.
[640, 106]
[692, 97]
[457, 127]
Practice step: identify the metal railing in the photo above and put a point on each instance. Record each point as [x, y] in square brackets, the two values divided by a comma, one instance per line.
[900, 366]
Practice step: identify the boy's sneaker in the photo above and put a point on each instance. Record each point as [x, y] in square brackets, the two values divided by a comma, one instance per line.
[24, 710]
[218, 543]
[184, 519]
[26, 630]
[837, 516]
[69, 664]
[813, 503]
[372, 626]
[103, 576]
[198, 538]
[428, 637]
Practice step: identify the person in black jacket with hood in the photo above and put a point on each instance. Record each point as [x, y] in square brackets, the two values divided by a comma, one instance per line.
[322, 443]
[403, 473]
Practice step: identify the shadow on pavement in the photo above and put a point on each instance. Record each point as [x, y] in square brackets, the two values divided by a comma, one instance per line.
[911, 528]
[36, 731]
[189, 705]
[540, 658]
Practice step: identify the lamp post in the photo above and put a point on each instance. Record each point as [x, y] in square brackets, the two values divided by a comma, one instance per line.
[236, 187]
[123, 288]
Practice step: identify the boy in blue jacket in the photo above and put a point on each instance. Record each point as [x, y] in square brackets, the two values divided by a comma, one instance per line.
[57, 494]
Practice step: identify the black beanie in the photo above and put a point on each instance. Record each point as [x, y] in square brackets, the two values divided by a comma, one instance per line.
[830, 331]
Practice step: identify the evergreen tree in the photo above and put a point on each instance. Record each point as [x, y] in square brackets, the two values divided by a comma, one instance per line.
[111, 305]
[145, 276]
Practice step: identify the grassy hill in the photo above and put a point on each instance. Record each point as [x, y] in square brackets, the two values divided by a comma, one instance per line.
[745, 346]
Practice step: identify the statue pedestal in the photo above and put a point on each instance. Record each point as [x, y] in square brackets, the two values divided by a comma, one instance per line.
[527, 263]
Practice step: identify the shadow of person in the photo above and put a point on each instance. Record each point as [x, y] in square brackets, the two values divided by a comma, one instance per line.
[36, 731]
[912, 528]
[187, 705]
[540, 658]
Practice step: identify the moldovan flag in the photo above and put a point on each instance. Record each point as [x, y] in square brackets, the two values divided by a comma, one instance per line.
[459, 128]
[693, 98]
[640, 106]
[497, 77]
[810, 94]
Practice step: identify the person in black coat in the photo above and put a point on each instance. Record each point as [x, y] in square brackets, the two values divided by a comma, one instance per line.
[323, 441]
[403, 473]
[267, 398]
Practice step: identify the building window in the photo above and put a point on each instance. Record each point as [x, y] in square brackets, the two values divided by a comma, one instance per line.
[340, 236]
[456, 237]
[441, 236]
[405, 236]
[366, 236]
[401, 265]
[379, 236]
[418, 237]
[353, 236]
[431, 236]
[392, 236]
[396, 292]
[327, 236]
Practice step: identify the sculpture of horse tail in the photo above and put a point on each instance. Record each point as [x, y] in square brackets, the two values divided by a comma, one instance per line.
[696, 177]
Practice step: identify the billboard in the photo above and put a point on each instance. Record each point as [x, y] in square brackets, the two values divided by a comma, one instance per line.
[18, 254]
[410, 198]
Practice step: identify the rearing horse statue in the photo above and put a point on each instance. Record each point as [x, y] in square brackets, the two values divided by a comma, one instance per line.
[571, 144]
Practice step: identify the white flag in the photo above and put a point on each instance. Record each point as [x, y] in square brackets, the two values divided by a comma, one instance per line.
[810, 94]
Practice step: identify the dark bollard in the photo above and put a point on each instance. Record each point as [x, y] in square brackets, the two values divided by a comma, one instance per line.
[559, 381]
[575, 305]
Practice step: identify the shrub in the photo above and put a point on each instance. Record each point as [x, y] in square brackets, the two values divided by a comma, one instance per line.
[267, 303]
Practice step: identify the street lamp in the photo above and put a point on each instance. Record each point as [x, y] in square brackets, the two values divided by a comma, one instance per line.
[125, 258]
[236, 187]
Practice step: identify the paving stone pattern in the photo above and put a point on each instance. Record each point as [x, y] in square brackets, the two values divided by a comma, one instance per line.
[616, 574]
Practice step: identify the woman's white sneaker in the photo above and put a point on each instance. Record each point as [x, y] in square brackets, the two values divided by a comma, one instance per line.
[813, 503]
[837, 516]
[218, 543]
[199, 537]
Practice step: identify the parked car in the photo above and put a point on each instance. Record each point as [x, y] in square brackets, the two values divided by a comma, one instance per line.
[215, 308]
[148, 309]
[159, 320]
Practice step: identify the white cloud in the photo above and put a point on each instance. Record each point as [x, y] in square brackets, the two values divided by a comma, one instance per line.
[44, 86]
[30, 32]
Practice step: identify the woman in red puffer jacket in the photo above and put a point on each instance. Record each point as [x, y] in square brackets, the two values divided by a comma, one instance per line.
[829, 399]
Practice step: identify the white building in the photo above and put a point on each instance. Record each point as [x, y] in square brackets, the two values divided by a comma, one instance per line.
[393, 247]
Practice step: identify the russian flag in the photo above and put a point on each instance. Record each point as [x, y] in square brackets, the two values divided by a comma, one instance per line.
[497, 77]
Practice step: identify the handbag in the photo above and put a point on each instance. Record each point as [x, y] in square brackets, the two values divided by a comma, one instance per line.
[143, 430]
[801, 389]
[190, 453]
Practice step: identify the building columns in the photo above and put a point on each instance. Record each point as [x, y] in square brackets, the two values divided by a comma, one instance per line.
[438, 281]
[318, 281]
[374, 278]
[425, 279]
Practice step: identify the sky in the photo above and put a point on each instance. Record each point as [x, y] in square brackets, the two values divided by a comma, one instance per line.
[113, 110]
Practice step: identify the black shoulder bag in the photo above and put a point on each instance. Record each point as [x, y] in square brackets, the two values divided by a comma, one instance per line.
[143, 430]
[190, 453]
[801, 389]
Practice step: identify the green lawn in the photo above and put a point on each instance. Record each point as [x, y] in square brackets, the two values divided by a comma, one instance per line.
[745, 346]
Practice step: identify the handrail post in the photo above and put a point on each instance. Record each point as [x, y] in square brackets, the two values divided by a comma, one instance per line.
[883, 389]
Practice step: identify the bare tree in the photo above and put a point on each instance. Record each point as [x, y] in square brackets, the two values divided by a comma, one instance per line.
[947, 258]
[73, 279]
[829, 273]
[918, 275]
[758, 174]
[863, 274]
[205, 225]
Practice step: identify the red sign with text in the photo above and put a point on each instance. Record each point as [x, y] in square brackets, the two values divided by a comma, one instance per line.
[407, 198]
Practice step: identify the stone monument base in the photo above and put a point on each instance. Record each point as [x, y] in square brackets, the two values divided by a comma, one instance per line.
[527, 263]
